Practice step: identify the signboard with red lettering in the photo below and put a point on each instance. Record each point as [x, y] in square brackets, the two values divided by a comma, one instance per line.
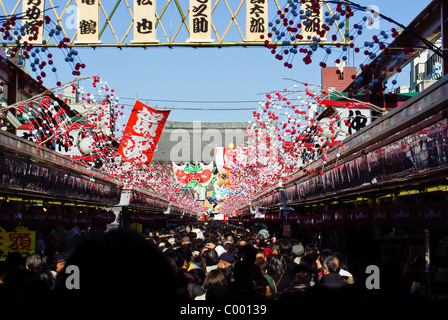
[20, 240]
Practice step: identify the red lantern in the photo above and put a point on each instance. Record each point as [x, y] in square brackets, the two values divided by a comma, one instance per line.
[318, 221]
[436, 215]
[361, 217]
[328, 218]
[382, 216]
[83, 221]
[69, 220]
[33, 218]
[52, 218]
[9, 218]
[308, 222]
[405, 215]
[342, 217]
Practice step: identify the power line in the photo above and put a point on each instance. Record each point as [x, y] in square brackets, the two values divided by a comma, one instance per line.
[194, 101]
[204, 109]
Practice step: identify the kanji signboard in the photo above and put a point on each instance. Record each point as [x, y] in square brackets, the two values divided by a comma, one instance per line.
[19, 240]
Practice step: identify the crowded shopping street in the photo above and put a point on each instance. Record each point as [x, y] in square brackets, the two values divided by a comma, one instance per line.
[217, 158]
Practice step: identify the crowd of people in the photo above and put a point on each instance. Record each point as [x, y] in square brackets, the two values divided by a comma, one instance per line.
[205, 261]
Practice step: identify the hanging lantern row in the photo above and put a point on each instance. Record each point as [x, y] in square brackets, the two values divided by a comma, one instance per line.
[148, 218]
[181, 220]
[245, 220]
[11, 217]
[431, 215]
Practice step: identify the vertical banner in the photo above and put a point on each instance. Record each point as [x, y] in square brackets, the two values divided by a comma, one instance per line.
[200, 22]
[88, 22]
[145, 21]
[256, 20]
[312, 23]
[33, 12]
[142, 133]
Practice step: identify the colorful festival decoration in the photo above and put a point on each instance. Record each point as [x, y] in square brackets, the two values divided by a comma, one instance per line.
[288, 132]
[194, 176]
[333, 30]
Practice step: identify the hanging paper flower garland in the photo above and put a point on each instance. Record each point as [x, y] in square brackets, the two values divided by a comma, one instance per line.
[299, 18]
[41, 61]
[285, 136]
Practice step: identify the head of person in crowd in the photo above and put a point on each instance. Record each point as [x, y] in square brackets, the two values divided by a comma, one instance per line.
[297, 251]
[331, 265]
[275, 248]
[60, 262]
[186, 241]
[215, 278]
[198, 275]
[215, 285]
[210, 256]
[276, 267]
[323, 255]
[225, 260]
[285, 247]
[119, 265]
[247, 253]
[310, 260]
[301, 276]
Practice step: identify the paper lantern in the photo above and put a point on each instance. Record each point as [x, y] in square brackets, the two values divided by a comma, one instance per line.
[83, 221]
[52, 218]
[9, 218]
[405, 215]
[435, 215]
[382, 216]
[318, 221]
[33, 218]
[361, 217]
[328, 218]
[69, 220]
[307, 222]
[342, 217]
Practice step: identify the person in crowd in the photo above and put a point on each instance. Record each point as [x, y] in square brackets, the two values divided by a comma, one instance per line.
[311, 261]
[275, 248]
[242, 288]
[195, 285]
[264, 231]
[297, 252]
[210, 257]
[285, 250]
[300, 283]
[215, 286]
[331, 278]
[198, 262]
[261, 261]
[277, 269]
[225, 264]
[59, 264]
[40, 280]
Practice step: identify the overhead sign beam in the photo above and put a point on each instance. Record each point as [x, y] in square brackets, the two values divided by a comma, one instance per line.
[157, 23]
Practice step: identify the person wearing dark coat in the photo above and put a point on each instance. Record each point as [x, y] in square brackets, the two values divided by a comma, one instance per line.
[332, 285]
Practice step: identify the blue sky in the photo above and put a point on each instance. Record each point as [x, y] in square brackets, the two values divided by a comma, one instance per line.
[213, 74]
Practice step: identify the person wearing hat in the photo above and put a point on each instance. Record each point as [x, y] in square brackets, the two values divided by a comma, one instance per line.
[59, 265]
[225, 264]
[225, 260]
